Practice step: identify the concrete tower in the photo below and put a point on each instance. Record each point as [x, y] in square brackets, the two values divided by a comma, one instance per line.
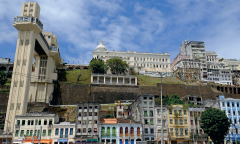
[31, 83]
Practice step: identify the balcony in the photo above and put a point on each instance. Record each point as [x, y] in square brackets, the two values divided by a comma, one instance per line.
[121, 135]
[21, 19]
[138, 135]
[51, 48]
[126, 134]
[175, 136]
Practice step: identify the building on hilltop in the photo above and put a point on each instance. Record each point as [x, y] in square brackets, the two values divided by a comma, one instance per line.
[32, 83]
[6, 65]
[140, 61]
[220, 76]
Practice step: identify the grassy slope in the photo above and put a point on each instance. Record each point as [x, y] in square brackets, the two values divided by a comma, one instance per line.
[84, 79]
[152, 81]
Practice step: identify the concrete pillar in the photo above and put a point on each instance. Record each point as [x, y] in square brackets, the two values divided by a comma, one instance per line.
[135, 81]
[104, 79]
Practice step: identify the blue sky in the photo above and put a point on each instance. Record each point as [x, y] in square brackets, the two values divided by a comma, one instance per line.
[155, 26]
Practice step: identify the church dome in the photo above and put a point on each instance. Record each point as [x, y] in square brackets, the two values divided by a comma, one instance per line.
[100, 47]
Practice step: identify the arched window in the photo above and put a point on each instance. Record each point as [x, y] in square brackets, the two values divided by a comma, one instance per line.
[103, 131]
[138, 132]
[121, 131]
[113, 131]
[108, 131]
[132, 131]
[126, 131]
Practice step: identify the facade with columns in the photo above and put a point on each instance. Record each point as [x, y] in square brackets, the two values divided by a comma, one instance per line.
[32, 83]
[113, 79]
[120, 131]
[140, 61]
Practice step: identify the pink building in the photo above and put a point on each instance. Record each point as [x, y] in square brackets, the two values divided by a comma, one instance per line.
[177, 59]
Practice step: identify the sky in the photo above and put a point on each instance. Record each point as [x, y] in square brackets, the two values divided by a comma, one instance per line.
[154, 26]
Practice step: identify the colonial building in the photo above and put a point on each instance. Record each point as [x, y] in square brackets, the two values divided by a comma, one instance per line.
[87, 122]
[34, 124]
[120, 131]
[159, 124]
[140, 61]
[64, 132]
[143, 110]
[178, 125]
[32, 84]
[231, 107]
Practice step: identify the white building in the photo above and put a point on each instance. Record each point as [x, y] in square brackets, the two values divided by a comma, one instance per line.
[140, 61]
[219, 76]
[28, 126]
[63, 132]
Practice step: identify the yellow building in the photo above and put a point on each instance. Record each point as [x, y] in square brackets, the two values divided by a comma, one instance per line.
[178, 125]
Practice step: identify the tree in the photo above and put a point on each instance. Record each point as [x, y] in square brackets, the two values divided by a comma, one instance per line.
[216, 124]
[98, 66]
[3, 78]
[175, 99]
[117, 66]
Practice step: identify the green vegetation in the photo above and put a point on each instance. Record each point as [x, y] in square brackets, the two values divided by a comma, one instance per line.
[173, 100]
[4, 90]
[152, 81]
[216, 124]
[85, 78]
[98, 66]
[117, 65]
[3, 78]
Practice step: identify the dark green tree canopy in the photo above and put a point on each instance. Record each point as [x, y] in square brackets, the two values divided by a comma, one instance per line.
[175, 99]
[216, 124]
[98, 66]
[3, 78]
[117, 66]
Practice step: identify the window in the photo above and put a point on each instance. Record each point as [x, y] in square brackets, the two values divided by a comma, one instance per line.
[31, 132]
[132, 131]
[113, 131]
[185, 112]
[95, 114]
[232, 104]
[238, 104]
[50, 122]
[49, 132]
[146, 130]
[27, 42]
[103, 131]
[145, 121]
[234, 113]
[29, 122]
[56, 131]
[18, 122]
[71, 131]
[23, 123]
[39, 122]
[171, 121]
[90, 113]
[152, 130]
[44, 133]
[31, 10]
[45, 122]
[151, 121]
[223, 104]
[180, 112]
[126, 130]
[181, 131]
[229, 112]
[186, 131]
[176, 121]
[145, 113]
[66, 132]
[26, 5]
[16, 133]
[27, 134]
[61, 133]
[22, 133]
[151, 113]
[138, 131]
[170, 112]
[171, 131]
[185, 121]
[181, 122]
[108, 131]
[228, 105]
[79, 131]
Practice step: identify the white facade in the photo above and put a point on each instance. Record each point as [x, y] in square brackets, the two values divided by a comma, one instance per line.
[63, 132]
[138, 60]
[29, 125]
[113, 79]
[220, 76]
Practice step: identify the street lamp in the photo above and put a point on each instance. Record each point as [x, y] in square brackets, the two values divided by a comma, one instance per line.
[161, 110]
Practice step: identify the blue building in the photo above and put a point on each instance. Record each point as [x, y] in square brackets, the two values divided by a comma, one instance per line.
[232, 110]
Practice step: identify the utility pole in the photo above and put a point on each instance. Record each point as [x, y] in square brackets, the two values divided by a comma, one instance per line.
[161, 111]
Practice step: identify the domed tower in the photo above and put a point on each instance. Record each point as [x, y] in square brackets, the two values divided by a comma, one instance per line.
[100, 50]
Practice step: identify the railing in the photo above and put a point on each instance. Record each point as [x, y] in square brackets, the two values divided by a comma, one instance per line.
[44, 40]
[53, 48]
[63, 136]
[138, 135]
[126, 135]
[121, 135]
[28, 19]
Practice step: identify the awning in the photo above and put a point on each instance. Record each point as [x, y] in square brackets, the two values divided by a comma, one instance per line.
[36, 141]
[92, 140]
